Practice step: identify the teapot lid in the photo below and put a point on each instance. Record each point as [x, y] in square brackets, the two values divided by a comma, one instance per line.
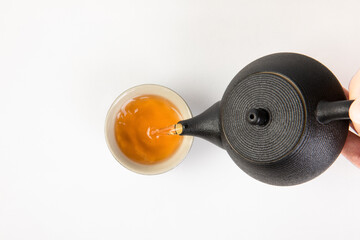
[263, 117]
[284, 143]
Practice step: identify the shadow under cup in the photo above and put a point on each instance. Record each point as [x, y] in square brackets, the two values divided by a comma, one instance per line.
[147, 89]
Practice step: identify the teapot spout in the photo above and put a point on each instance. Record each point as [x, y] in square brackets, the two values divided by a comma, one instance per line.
[206, 125]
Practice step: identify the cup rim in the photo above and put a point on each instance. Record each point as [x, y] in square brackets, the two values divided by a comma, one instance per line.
[157, 168]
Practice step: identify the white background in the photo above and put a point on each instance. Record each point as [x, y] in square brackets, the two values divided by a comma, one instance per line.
[62, 63]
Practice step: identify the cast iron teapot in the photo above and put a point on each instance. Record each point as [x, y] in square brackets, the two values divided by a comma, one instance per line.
[283, 119]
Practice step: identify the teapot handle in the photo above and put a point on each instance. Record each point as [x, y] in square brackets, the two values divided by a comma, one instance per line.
[331, 111]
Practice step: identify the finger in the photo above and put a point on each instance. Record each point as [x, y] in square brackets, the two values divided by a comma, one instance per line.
[354, 93]
[346, 92]
[354, 113]
[354, 86]
[351, 149]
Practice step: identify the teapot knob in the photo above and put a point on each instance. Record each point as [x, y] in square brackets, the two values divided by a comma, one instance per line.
[258, 116]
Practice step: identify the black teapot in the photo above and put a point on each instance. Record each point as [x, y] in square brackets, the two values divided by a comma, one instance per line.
[283, 119]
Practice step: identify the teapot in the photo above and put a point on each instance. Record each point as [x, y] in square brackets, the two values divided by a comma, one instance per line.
[283, 119]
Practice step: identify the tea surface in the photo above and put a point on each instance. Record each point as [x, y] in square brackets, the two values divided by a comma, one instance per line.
[137, 129]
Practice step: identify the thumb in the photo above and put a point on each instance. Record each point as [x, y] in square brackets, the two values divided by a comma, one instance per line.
[354, 93]
[354, 112]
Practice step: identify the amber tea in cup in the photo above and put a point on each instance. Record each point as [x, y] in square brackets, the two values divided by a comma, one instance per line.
[139, 129]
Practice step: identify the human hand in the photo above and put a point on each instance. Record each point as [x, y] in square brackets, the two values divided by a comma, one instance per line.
[351, 149]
